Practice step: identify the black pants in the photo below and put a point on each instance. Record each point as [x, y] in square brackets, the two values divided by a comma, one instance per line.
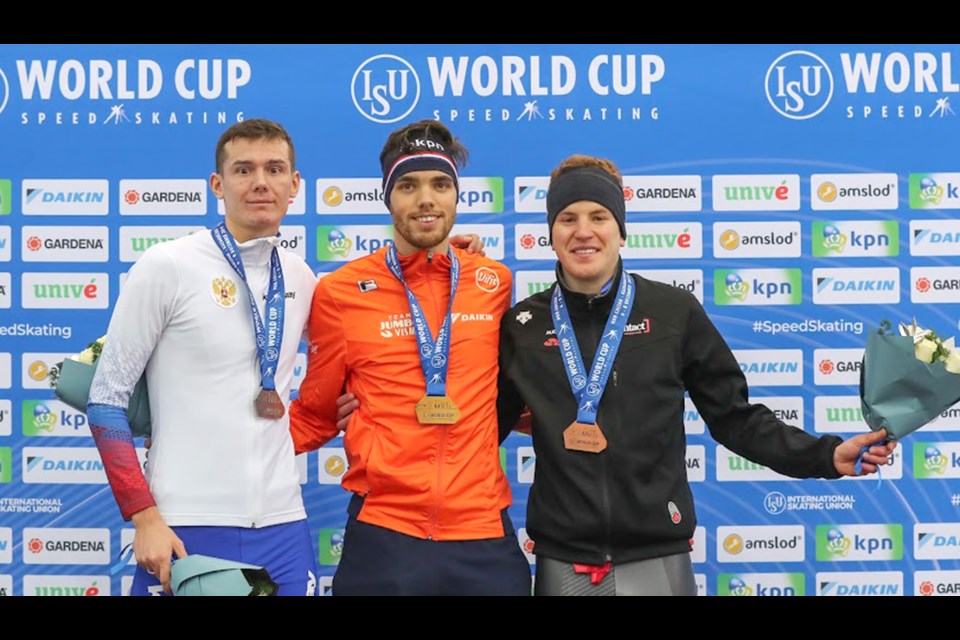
[380, 561]
[667, 576]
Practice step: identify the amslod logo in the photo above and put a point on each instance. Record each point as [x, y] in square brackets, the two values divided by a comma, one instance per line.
[332, 464]
[936, 541]
[346, 242]
[756, 239]
[761, 584]
[755, 287]
[860, 191]
[855, 238]
[859, 583]
[687, 279]
[855, 543]
[760, 543]
[948, 420]
[935, 237]
[935, 460]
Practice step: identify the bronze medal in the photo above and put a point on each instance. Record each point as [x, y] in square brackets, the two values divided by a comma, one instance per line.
[584, 437]
[437, 410]
[269, 405]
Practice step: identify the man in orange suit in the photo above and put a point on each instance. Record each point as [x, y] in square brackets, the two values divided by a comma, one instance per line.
[412, 331]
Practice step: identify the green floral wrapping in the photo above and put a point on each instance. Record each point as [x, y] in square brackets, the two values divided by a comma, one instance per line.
[73, 388]
[898, 392]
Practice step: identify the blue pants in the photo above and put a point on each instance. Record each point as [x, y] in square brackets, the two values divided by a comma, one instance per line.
[380, 561]
[284, 550]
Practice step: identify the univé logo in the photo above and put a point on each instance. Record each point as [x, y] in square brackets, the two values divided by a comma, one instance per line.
[799, 85]
[385, 88]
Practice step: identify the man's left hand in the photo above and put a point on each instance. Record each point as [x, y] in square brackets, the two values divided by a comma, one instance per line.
[469, 242]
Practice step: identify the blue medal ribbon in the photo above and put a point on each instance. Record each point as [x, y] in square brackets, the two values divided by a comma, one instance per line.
[588, 386]
[270, 333]
[434, 354]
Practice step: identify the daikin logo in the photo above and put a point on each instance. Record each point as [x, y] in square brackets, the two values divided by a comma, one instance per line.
[877, 285]
[530, 194]
[935, 237]
[860, 583]
[771, 367]
[692, 420]
[936, 541]
[799, 85]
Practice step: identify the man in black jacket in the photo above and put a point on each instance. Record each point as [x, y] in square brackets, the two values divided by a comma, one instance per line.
[602, 360]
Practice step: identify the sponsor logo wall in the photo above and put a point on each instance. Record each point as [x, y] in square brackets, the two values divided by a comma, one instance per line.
[811, 197]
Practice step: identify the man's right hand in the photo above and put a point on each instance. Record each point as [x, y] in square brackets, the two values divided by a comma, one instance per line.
[155, 544]
[346, 405]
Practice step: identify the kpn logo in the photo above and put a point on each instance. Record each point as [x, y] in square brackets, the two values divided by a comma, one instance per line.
[934, 190]
[331, 546]
[6, 465]
[5, 201]
[52, 418]
[855, 238]
[757, 286]
[346, 242]
[849, 543]
[940, 460]
[761, 584]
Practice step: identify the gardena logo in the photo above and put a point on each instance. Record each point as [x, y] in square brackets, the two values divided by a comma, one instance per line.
[799, 85]
[385, 88]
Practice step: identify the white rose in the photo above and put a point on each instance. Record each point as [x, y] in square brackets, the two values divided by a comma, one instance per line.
[952, 362]
[924, 349]
[101, 340]
[85, 356]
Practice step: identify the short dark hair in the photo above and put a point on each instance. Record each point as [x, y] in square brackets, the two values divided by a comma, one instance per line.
[254, 129]
[402, 138]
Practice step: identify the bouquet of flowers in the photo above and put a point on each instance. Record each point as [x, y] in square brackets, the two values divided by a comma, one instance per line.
[71, 381]
[907, 378]
[200, 575]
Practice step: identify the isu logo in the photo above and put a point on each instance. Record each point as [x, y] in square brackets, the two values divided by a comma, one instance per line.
[224, 292]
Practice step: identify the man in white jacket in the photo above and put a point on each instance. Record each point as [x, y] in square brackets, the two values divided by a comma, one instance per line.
[215, 320]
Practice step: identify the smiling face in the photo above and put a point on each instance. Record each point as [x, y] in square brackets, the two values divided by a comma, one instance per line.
[423, 205]
[256, 184]
[587, 241]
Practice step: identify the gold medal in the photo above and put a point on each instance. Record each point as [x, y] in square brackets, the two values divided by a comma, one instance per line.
[437, 410]
[269, 405]
[584, 437]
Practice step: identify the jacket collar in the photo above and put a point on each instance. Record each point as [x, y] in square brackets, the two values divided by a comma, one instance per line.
[590, 300]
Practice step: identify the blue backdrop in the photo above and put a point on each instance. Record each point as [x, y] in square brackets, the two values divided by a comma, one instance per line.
[802, 193]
